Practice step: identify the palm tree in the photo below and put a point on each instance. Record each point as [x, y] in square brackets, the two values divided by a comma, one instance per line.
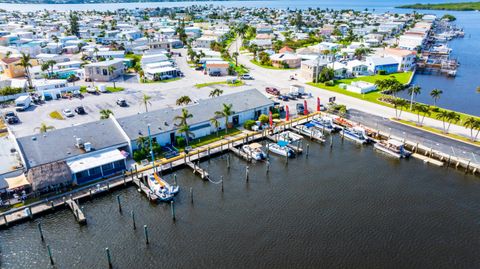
[399, 104]
[443, 115]
[183, 100]
[105, 114]
[225, 112]
[111, 70]
[254, 50]
[472, 123]
[96, 50]
[235, 56]
[182, 118]
[452, 117]
[185, 129]
[44, 128]
[146, 101]
[215, 123]
[8, 54]
[25, 63]
[72, 77]
[215, 92]
[421, 109]
[51, 64]
[414, 90]
[435, 94]
[141, 74]
[142, 142]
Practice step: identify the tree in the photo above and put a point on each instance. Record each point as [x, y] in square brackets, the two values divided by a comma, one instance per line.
[185, 130]
[225, 112]
[183, 100]
[146, 101]
[215, 123]
[43, 128]
[235, 56]
[443, 115]
[142, 142]
[263, 118]
[25, 63]
[399, 104]
[215, 92]
[96, 50]
[182, 118]
[74, 27]
[414, 90]
[254, 50]
[72, 77]
[435, 94]
[326, 74]
[421, 109]
[51, 64]
[111, 70]
[472, 123]
[391, 85]
[453, 117]
[105, 114]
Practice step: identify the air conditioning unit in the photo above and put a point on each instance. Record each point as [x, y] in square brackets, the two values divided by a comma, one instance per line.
[87, 146]
[79, 143]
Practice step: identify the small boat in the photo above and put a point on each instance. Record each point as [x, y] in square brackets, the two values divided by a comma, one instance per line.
[289, 137]
[311, 131]
[393, 147]
[162, 188]
[255, 151]
[325, 124]
[282, 149]
[356, 134]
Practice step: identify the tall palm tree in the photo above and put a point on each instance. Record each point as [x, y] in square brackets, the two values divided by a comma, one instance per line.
[235, 56]
[146, 101]
[25, 63]
[43, 128]
[225, 112]
[421, 109]
[105, 114]
[453, 117]
[51, 64]
[443, 115]
[183, 100]
[72, 77]
[399, 104]
[142, 141]
[111, 70]
[96, 50]
[185, 130]
[472, 123]
[182, 118]
[215, 92]
[215, 123]
[8, 54]
[414, 90]
[435, 94]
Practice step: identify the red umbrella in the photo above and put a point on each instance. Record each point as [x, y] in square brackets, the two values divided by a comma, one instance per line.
[305, 109]
[318, 104]
[287, 118]
[270, 119]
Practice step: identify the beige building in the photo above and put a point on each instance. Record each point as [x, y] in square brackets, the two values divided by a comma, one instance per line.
[311, 69]
[100, 71]
[282, 60]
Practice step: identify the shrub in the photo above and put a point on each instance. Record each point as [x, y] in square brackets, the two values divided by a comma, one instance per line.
[10, 91]
[275, 116]
[263, 118]
[330, 83]
[56, 115]
[435, 109]
[180, 141]
[249, 124]
[382, 72]
[326, 74]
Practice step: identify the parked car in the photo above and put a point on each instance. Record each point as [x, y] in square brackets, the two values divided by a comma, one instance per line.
[72, 79]
[10, 117]
[300, 108]
[68, 113]
[198, 68]
[80, 110]
[215, 74]
[165, 77]
[283, 98]
[121, 102]
[272, 91]
[246, 77]
[292, 96]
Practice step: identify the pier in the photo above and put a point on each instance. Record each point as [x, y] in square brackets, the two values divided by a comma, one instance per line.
[145, 190]
[241, 154]
[198, 170]
[77, 211]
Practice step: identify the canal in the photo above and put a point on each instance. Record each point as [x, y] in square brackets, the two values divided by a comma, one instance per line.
[349, 207]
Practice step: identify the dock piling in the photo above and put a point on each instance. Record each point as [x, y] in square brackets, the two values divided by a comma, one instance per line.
[175, 179]
[268, 166]
[308, 149]
[221, 180]
[191, 195]
[172, 203]
[119, 204]
[5, 219]
[228, 161]
[133, 220]
[145, 232]
[40, 231]
[50, 255]
[246, 173]
[109, 258]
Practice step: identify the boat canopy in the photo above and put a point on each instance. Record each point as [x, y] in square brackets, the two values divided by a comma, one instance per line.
[309, 125]
[394, 142]
[255, 146]
[282, 143]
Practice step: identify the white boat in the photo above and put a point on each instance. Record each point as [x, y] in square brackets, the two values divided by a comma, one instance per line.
[255, 151]
[393, 147]
[162, 188]
[311, 131]
[281, 148]
[289, 137]
[325, 124]
[356, 134]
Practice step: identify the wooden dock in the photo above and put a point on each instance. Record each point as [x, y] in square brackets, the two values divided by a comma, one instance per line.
[146, 190]
[313, 138]
[241, 154]
[198, 170]
[77, 212]
[426, 159]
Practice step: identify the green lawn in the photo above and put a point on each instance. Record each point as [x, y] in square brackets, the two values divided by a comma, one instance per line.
[202, 141]
[269, 66]
[161, 81]
[464, 6]
[112, 89]
[236, 84]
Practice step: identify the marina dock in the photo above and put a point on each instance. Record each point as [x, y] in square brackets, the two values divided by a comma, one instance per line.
[198, 170]
[426, 159]
[241, 154]
[145, 190]
[77, 211]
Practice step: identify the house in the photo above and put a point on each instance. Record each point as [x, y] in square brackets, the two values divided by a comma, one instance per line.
[99, 71]
[360, 87]
[357, 68]
[204, 42]
[153, 58]
[387, 64]
[220, 67]
[405, 58]
[160, 72]
[286, 50]
[11, 69]
[339, 69]
[53, 89]
[311, 69]
[286, 60]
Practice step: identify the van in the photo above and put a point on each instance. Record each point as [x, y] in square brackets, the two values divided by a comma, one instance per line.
[23, 102]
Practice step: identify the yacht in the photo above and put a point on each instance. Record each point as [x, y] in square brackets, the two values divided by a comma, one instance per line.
[255, 151]
[282, 149]
[356, 134]
[393, 147]
[162, 188]
[325, 124]
[311, 131]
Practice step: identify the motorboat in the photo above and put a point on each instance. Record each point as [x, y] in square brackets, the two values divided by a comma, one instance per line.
[325, 124]
[393, 147]
[255, 151]
[356, 134]
[162, 188]
[281, 148]
[311, 131]
[289, 137]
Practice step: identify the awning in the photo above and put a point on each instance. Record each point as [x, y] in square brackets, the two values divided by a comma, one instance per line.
[94, 159]
[17, 182]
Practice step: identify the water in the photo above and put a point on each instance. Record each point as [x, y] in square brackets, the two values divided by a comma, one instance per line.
[346, 208]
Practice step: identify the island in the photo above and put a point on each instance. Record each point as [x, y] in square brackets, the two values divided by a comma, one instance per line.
[464, 6]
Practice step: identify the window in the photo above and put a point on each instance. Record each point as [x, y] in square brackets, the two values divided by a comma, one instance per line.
[105, 72]
[95, 172]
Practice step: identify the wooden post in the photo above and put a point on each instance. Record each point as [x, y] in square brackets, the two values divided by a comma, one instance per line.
[50, 255]
[268, 166]
[308, 148]
[30, 212]
[145, 232]
[40, 231]
[52, 205]
[90, 192]
[108, 185]
[221, 180]
[468, 166]
[331, 141]
[109, 258]
[246, 173]
[133, 220]
[175, 179]
[191, 195]
[172, 203]
[119, 204]
[228, 161]
[5, 219]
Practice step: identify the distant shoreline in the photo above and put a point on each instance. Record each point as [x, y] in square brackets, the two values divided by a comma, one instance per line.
[464, 6]
[84, 2]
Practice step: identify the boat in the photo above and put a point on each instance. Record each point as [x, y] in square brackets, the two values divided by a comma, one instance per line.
[282, 149]
[356, 134]
[393, 147]
[255, 151]
[289, 137]
[325, 124]
[162, 188]
[311, 131]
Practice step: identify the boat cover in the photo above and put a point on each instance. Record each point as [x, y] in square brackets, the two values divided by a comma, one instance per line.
[282, 143]
[309, 125]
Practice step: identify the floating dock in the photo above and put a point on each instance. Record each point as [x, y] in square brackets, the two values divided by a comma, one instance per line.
[77, 212]
[241, 154]
[426, 159]
[198, 170]
[146, 190]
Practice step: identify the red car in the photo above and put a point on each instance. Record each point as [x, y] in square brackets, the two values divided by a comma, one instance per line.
[272, 91]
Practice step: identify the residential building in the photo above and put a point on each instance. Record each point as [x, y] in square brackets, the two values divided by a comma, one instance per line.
[286, 60]
[387, 64]
[405, 58]
[11, 69]
[99, 71]
[311, 69]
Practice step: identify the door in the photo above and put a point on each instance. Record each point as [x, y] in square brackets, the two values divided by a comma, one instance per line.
[172, 138]
[235, 120]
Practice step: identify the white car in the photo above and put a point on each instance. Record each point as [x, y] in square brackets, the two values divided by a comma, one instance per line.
[68, 113]
[246, 77]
